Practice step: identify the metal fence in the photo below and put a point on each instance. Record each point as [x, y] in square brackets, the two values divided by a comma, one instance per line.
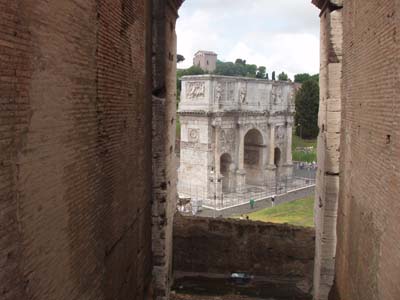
[201, 197]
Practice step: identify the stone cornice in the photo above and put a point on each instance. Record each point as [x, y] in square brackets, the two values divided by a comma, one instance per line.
[175, 4]
[233, 78]
[221, 113]
[238, 113]
[331, 4]
[319, 3]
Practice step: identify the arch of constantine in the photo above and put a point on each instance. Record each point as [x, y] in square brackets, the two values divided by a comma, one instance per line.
[236, 135]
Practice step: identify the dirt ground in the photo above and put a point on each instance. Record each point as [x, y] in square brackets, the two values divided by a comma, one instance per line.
[175, 296]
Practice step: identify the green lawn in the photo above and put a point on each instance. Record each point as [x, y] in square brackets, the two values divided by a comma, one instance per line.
[299, 212]
[301, 155]
[306, 157]
[299, 142]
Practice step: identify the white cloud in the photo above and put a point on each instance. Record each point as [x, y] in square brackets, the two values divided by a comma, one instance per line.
[281, 35]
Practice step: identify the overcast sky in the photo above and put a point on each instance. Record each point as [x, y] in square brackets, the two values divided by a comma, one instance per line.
[282, 35]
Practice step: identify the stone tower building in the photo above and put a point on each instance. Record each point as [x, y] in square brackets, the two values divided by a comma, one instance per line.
[206, 60]
[236, 133]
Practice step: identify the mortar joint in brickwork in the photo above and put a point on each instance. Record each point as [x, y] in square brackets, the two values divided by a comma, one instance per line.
[332, 173]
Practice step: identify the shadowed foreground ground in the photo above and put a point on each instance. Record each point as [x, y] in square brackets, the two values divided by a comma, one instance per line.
[202, 297]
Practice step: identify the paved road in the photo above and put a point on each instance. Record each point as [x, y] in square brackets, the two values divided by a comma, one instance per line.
[245, 208]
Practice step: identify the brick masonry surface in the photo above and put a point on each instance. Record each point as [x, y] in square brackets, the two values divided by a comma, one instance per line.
[163, 146]
[75, 127]
[208, 247]
[368, 253]
[327, 188]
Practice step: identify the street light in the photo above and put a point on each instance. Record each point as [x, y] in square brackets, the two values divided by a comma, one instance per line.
[212, 179]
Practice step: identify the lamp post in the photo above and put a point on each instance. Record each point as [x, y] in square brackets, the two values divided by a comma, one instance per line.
[214, 180]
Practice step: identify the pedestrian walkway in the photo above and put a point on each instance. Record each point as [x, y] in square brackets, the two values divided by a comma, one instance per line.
[244, 208]
[230, 200]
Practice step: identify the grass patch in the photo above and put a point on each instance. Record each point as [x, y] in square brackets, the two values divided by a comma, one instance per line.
[301, 155]
[299, 212]
[299, 142]
[304, 156]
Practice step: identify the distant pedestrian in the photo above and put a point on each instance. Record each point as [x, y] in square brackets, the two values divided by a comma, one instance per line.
[251, 203]
[247, 217]
[273, 201]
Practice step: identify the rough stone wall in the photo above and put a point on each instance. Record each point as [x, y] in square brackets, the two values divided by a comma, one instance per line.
[75, 128]
[164, 134]
[368, 252]
[222, 246]
[327, 188]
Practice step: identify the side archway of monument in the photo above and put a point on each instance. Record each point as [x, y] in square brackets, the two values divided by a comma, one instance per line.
[277, 157]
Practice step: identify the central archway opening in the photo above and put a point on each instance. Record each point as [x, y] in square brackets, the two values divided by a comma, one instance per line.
[253, 157]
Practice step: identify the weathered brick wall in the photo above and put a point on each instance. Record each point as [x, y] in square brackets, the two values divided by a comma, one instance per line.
[368, 253]
[327, 188]
[221, 246]
[164, 136]
[75, 138]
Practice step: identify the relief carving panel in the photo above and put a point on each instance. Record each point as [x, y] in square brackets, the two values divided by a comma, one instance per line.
[242, 94]
[193, 135]
[276, 94]
[280, 134]
[227, 139]
[195, 90]
[219, 91]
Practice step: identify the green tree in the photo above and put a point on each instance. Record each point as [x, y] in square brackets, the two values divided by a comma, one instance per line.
[283, 77]
[315, 77]
[193, 70]
[251, 71]
[307, 104]
[240, 61]
[227, 69]
[261, 72]
[303, 77]
[273, 76]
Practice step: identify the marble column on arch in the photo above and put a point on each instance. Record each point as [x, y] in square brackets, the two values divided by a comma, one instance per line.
[271, 161]
[240, 172]
[289, 132]
[270, 170]
[287, 169]
[217, 160]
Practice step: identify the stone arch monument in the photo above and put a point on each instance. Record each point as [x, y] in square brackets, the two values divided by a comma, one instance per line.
[230, 127]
